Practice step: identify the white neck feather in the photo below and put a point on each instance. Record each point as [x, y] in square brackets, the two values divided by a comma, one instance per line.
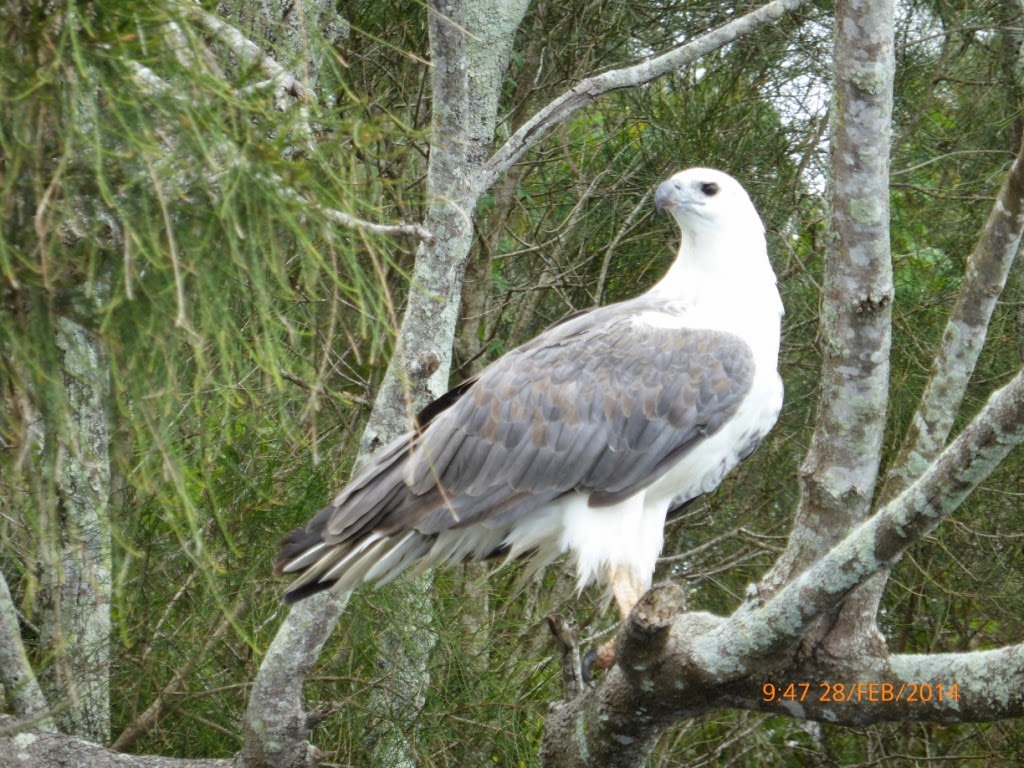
[723, 279]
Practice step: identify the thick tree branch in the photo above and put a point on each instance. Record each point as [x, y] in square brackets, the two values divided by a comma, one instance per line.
[586, 92]
[755, 633]
[466, 84]
[976, 686]
[276, 723]
[31, 749]
[838, 476]
[984, 280]
[16, 674]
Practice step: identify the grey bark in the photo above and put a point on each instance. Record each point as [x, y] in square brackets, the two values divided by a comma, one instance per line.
[838, 477]
[988, 269]
[276, 723]
[984, 279]
[470, 43]
[17, 677]
[837, 481]
[20, 748]
[77, 571]
[295, 31]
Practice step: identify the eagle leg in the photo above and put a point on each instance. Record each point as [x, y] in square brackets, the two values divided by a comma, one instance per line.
[627, 589]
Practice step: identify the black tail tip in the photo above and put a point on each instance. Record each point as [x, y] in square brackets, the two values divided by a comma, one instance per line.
[295, 595]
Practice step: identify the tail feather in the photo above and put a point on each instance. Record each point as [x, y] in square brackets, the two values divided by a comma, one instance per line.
[380, 558]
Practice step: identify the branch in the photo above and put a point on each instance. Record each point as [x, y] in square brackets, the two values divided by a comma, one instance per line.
[838, 476]
[754, 634]
[977, 686]
[24, 748]
[416, 231]
[250, 53]
[16, 676]
[586, 92]
[276, 723]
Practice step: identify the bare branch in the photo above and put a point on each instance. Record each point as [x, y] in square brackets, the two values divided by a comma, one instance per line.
[24, 748]
[276, 723]
[16, 675]
[249, 52]
[416, 231]
[586, 92]
[753, 634]
[976, 686]
[838, 476]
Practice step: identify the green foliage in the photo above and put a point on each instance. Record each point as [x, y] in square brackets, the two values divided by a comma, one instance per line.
[152, 190]
[171, 210]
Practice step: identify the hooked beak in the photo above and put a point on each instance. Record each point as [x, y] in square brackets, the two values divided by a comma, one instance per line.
[670, 194]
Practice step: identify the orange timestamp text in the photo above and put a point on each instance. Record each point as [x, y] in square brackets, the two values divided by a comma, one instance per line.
[853, 692]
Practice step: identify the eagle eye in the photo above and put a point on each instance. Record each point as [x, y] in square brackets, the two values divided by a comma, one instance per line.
[709, 188]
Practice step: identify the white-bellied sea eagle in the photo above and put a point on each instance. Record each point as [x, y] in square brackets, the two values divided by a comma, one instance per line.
[583, 439]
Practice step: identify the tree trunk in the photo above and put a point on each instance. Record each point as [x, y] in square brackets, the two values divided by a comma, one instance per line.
[78, 575]
[470, 43]
[466, 76]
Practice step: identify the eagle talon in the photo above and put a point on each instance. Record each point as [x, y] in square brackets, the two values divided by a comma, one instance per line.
[603, 658]
[587, 666]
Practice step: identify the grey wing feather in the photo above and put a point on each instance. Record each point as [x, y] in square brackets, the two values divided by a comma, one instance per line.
[621, 419]
[599, 404]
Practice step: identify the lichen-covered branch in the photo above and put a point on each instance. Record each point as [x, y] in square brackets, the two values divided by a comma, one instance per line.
[276, 725]
[470, 46]
[969, 687]
[16, 675]
[21, 748]
[756, 633]
[837, 479]
[77, 567]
